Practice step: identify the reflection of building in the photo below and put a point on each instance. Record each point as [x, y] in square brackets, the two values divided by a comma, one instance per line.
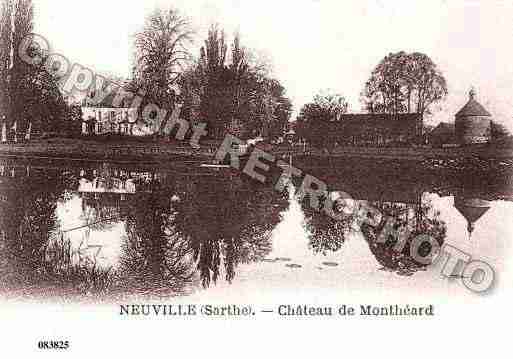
[104, 185]
[106, 191]
[472, 209]
[400, 199]
[375, 190]
[114, 182]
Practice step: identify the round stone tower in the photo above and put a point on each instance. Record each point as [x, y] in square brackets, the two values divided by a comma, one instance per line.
[473, 122]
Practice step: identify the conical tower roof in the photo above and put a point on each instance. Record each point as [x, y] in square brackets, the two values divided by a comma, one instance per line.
[472, 107]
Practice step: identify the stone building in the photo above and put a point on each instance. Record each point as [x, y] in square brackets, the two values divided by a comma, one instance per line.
[443, 135]
[104, 118]
[473, 123]
[374, 129]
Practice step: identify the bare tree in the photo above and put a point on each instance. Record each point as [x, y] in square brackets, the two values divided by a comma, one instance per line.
[160, 55]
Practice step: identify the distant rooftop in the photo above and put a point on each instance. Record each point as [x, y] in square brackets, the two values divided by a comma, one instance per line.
[395, 123]
[443, 128]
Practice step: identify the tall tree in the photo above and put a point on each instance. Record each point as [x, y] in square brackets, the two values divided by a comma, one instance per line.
[404, 82]
[29, 93]
[23, 26]
[233, 93]
[5, 53]
[161, 53]
[239, 68]
[216, 105]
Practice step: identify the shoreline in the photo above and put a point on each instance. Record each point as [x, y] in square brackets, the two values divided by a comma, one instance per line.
[87, 150]
[130, 151]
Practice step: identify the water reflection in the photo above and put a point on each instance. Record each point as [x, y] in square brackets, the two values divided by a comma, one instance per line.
[153, 255]
[472, 209]
[395, 253]
[325, 234]
[107, 229]
[229, 219]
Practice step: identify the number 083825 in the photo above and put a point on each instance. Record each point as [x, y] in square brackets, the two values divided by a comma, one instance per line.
[53, 344]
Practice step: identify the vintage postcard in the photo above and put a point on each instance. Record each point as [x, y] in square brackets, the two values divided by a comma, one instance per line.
[255, 178]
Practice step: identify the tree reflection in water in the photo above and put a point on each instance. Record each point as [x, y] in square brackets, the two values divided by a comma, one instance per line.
[28, 226]
[179, 228]
[227, 221]
[417, 219]
[154, 258]
[328, 235]
[325, 234]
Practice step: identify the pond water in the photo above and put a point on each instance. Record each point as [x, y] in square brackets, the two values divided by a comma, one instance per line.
[111, 229]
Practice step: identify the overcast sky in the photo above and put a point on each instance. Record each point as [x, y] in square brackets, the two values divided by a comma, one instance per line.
[315, 44]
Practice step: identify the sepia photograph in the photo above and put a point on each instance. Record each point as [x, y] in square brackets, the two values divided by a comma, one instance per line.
[183, 177]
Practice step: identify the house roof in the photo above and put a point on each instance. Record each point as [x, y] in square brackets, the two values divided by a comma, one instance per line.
[399, 123]
[443, 129]
[108, 101]
[472, 108]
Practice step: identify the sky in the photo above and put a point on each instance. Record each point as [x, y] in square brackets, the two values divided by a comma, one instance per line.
[315, 44]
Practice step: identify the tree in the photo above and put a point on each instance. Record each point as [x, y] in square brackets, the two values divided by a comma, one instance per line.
[404, 82]
[313, 122]
[160, 55]
[239, 69]
[5, 54]
[39, 101]
[153, 256]
[499, 131]
[28, 93]
[280, 111]
[232, 92]
[19, 71]
[216, 104]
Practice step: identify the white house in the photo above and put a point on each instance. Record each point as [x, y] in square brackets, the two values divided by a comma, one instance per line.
[101, 120]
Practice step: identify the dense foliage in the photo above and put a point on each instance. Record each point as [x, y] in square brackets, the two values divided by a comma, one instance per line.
[29, 94]
[313, 121]
[404, 83]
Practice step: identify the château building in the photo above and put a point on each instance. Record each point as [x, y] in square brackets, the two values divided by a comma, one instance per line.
[104, 117]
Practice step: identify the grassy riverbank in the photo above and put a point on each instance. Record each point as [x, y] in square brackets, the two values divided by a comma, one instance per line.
[151, 149]
[101, 149]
